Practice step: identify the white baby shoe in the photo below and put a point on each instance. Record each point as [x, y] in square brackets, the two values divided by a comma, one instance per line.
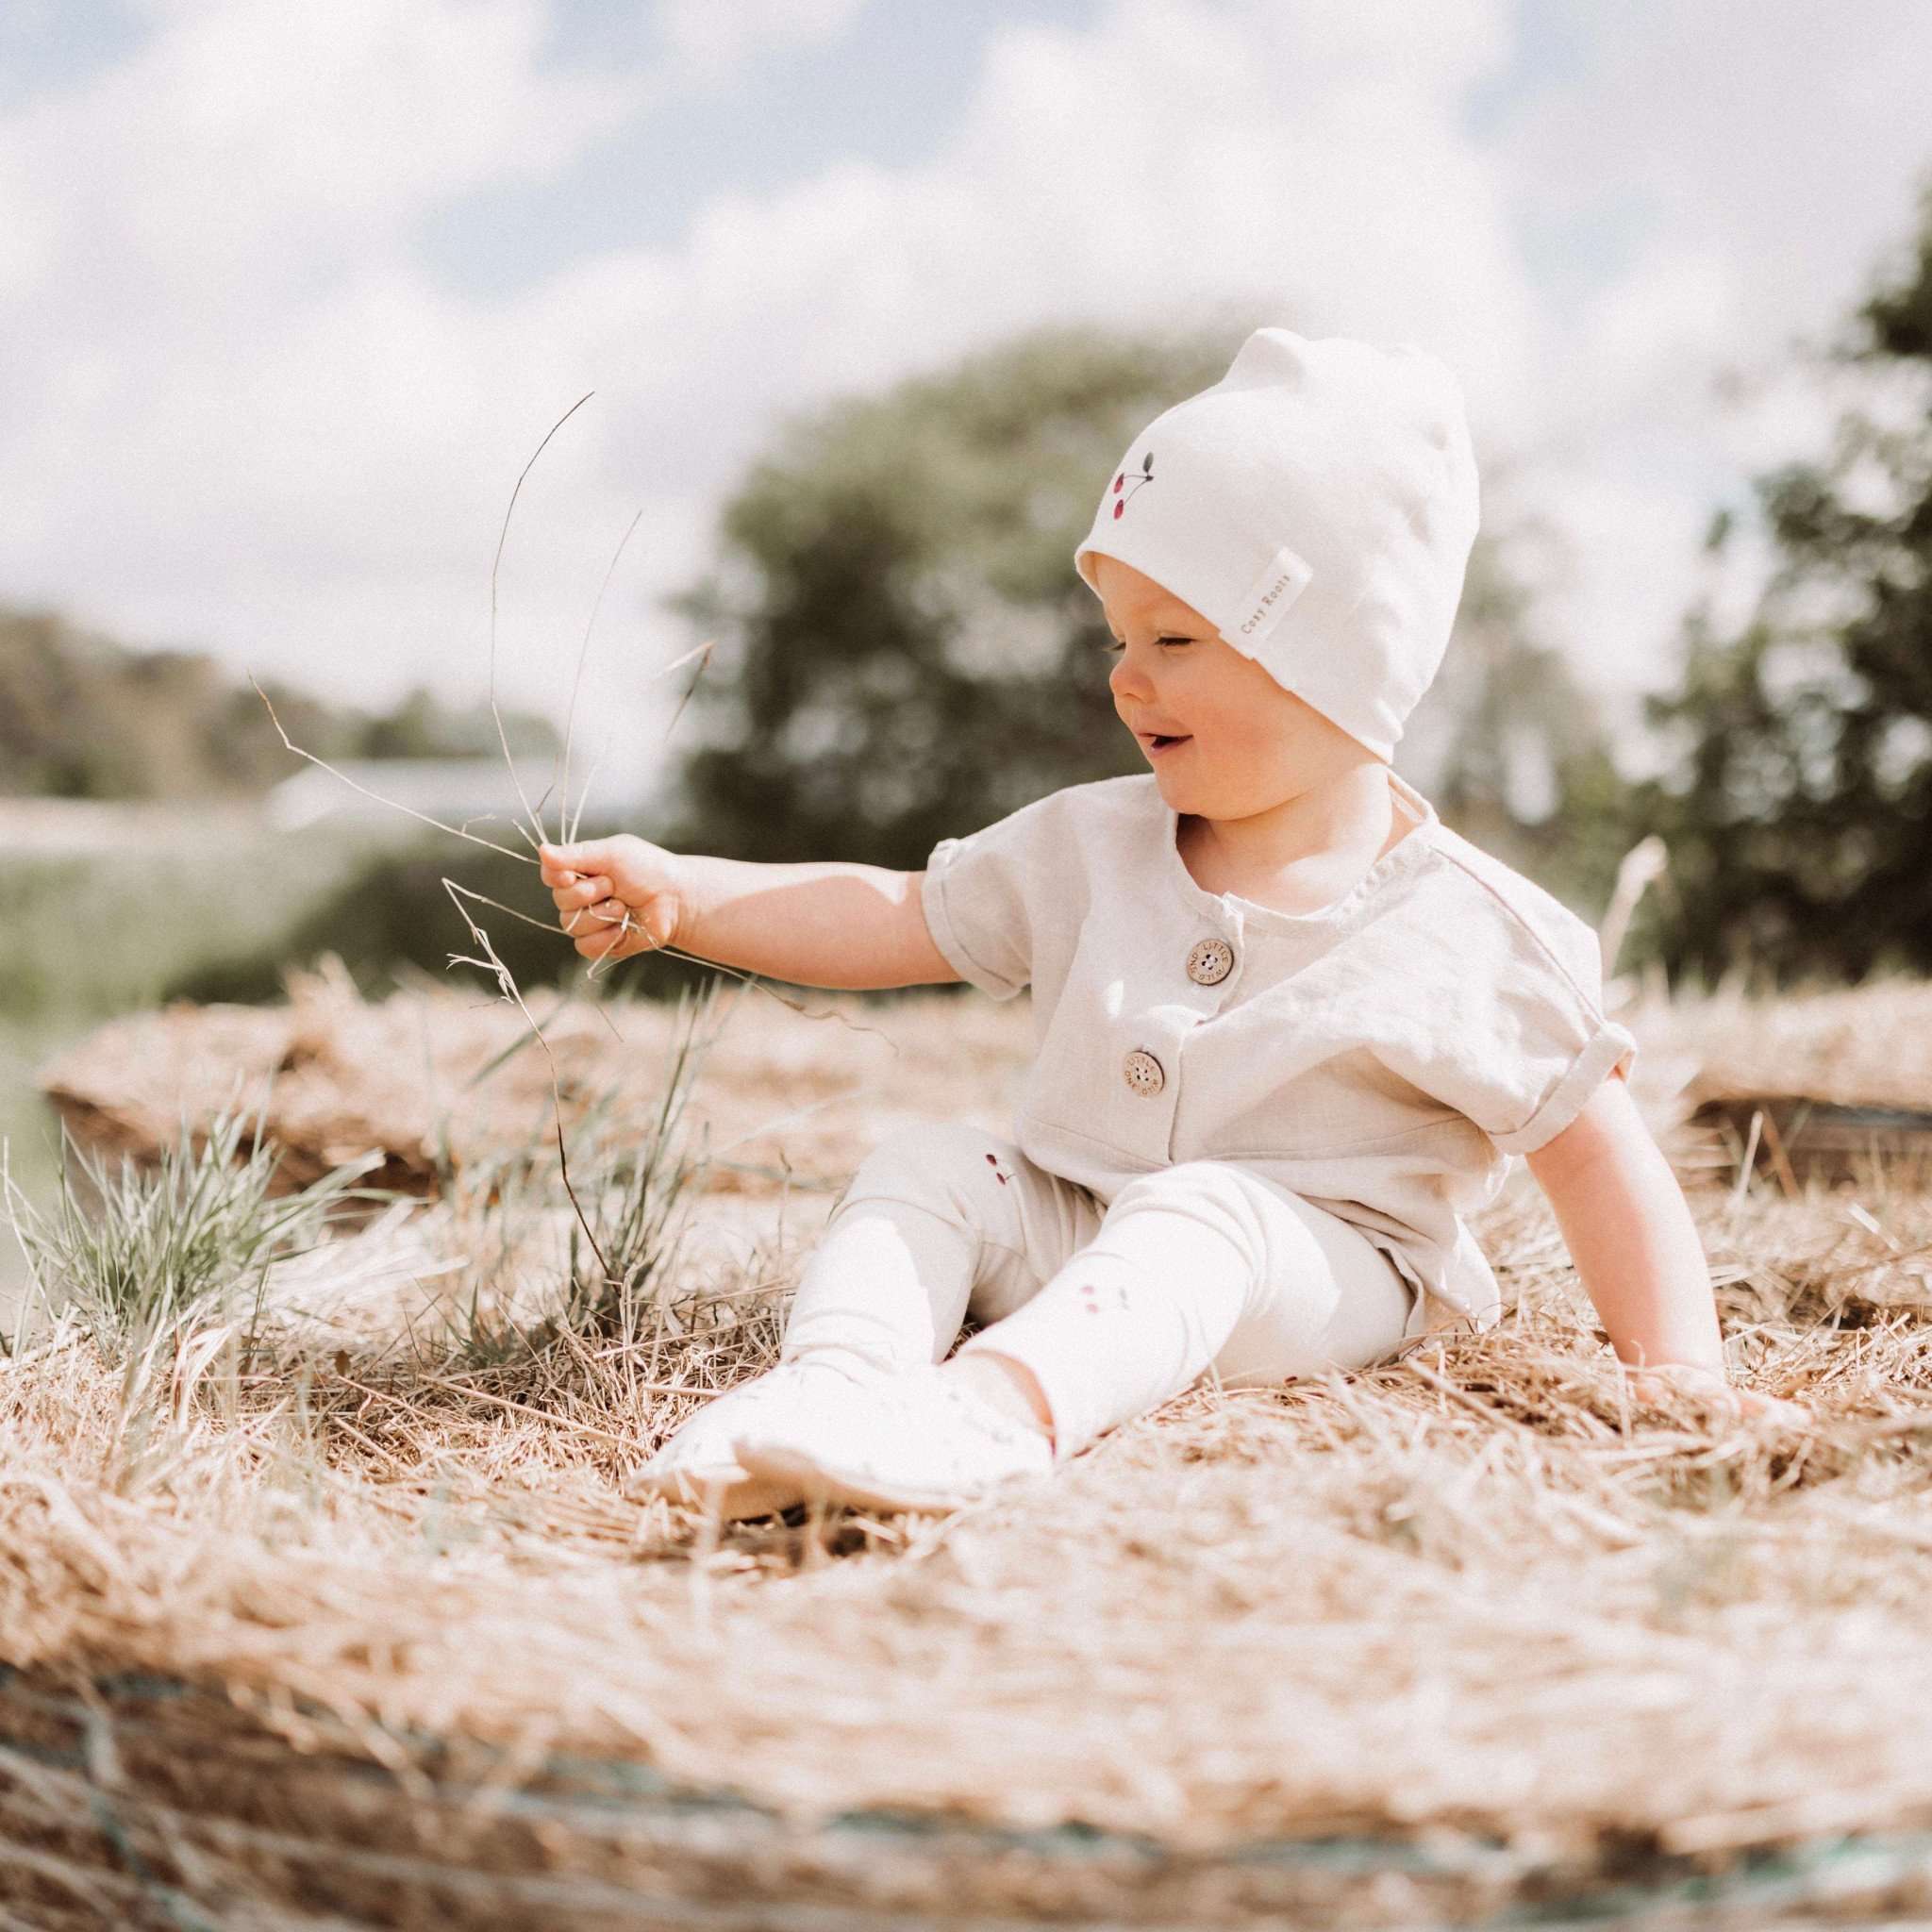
[915, 1439]
[696, 1462]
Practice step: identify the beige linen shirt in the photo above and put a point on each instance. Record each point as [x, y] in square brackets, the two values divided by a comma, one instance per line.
[1383, 1058]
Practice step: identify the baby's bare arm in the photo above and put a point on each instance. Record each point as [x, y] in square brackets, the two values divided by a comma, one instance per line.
[1631, 1232]
[818, 923]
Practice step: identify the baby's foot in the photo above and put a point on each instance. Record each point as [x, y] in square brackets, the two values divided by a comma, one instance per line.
[916, 1440]
[696, 1463]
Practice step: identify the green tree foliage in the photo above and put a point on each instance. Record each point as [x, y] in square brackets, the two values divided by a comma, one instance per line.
[422, 726]
[81, 717]
[390, 912]
[904, 650]
[1799, 810]
[84, 717]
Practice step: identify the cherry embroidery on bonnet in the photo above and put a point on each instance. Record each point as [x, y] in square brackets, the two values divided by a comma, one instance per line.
[1146, 475]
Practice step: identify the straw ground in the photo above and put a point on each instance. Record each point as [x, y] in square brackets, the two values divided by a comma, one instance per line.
[1455, 1635]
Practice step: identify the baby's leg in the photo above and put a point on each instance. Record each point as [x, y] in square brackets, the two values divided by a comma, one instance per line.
[1199, 1263]
[939, 1221]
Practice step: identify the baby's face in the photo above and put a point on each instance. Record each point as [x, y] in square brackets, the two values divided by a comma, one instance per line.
[1244, 744]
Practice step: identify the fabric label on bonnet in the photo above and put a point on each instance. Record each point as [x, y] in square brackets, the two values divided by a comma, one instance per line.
[1285, 577]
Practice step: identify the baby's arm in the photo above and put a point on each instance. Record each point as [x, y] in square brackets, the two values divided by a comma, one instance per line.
[819, 923]
[1630, 1233]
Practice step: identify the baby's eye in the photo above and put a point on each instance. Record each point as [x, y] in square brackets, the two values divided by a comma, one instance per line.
[1115, 645]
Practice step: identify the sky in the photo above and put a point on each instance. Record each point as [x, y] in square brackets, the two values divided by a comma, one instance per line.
[289, 295]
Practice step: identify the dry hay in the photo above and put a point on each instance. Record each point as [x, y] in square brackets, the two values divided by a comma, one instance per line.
[435, 1077]
[369, 1636]
[1831, 1076]
[439, 1078]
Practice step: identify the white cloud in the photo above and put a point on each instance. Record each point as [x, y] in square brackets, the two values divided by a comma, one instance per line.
[1775, 155]
[252, 154]
[709, 40]
[1662, 325]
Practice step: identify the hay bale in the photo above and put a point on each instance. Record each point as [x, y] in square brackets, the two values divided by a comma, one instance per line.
[200, 1801]
[368, 1635]
[1836, 1080]
[433, 1078]
[1828, 1085]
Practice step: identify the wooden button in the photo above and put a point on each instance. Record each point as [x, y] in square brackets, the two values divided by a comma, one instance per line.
[1211, 962]
[1143, 1072]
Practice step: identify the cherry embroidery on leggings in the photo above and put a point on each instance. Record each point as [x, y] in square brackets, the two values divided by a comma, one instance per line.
[1146, 475]
[992, 1162]
[1114, 1293]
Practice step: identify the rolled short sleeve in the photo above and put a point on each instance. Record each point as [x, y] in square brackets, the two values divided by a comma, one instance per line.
[1604, 1048]
[982, 895]
[1530, 1041]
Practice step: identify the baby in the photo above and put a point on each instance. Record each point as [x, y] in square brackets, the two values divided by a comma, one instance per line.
[1289, 1026]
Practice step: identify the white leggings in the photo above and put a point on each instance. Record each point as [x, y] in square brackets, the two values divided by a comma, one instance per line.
[1113, 1309]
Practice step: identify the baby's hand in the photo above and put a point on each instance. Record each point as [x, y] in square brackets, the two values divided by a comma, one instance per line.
[1661, 1379]
[617, 896]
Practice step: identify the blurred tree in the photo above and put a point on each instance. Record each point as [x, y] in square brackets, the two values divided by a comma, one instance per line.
[1509, 745]
[422, 727]
[412, 730]
[390, 912]
[84, 717]
[1799, 810]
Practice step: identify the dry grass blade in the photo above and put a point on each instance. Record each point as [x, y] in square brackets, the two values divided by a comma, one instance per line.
[567, 819]
[507, 985]
[688, 689]
[495, 566]
[702, 652]
[529, 858]
[394, 805]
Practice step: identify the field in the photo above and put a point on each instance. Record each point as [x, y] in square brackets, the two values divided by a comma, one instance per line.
[326, 1607]
[107, 909]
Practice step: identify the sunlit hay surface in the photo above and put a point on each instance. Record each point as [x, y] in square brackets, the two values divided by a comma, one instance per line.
[1473, 1589]
[441, 1078]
